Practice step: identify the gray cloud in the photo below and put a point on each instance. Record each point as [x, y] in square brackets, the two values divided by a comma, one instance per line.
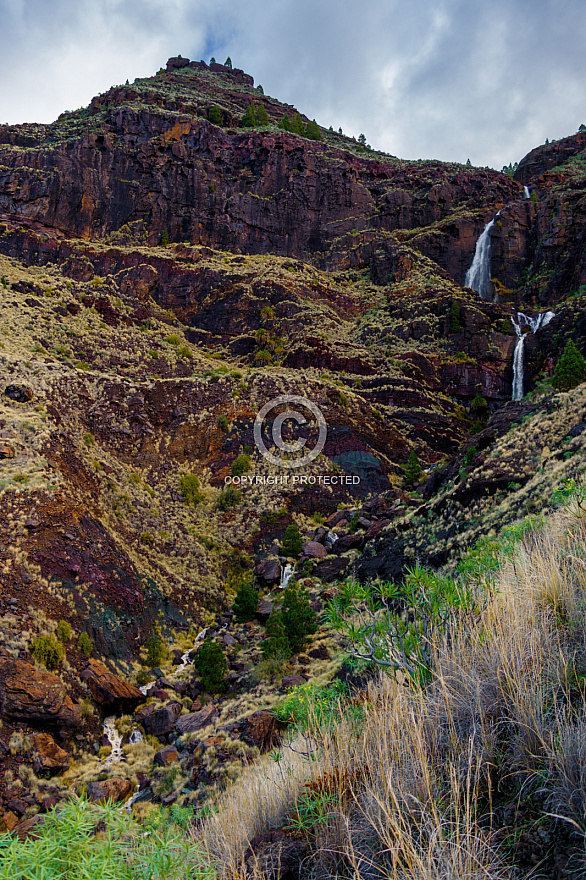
[448, 79]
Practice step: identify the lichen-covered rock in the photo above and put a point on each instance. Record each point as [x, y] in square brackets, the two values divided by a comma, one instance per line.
[33, 696]
[109, 690]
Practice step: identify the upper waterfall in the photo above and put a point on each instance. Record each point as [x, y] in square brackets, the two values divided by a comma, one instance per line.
[478, 275]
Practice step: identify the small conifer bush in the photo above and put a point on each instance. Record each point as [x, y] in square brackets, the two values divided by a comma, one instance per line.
[275, 642]
[412, 470]
[190, 490]
[214, 115]
[245, 602]
[229, 497]
[299, 618]
[570, 370]
[63, 631]
[241, 465]
[291, 541]
[155, 647]
[211, 664]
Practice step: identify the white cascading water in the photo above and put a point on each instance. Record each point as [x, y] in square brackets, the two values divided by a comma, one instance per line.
[478, 275]
[526, 193]
[534, 324]
[286, 575]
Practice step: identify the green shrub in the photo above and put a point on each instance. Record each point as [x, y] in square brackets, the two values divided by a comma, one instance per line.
[262, 117]
[412, 470]
[570, 370]
[299, 618]
[249, 118]
[263, 356]
[229, 497]
[142, 678]
[214, 115]
[65, 844]
[455, 322]
[155, 646]
[276, 641]
[297, 126]
[245, 602]
[85, 644]
[63, 631]
[165, 237]
[291, 541]
[190, 489]
[173, 339]
[211, 664]
[89, 439]
[48, 651]
[241, 465]
[478, 402]
[312, 131]
[223, 423]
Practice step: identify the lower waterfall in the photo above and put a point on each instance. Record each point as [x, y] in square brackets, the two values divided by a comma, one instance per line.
[535, 324]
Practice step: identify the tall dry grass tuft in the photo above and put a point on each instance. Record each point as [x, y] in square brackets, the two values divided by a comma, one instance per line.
[415, 789]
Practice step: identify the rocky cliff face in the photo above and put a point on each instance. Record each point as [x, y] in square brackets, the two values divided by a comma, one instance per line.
[162, 278]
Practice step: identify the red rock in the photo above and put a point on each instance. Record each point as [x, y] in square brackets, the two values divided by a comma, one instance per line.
[48, 755]
[261, 730]
[313, 550]
[116, 789]
[196, 720]
[166, 756]
[34, 696]
[6, 451]
[8, 821]
[108, 690]
[26, 828]
[290, 681]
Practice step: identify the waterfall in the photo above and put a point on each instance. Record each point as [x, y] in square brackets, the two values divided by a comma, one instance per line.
[286, 575]
[478, 275]
[535, 324]
[526, 193]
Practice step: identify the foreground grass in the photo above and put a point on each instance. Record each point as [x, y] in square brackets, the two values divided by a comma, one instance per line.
[481, 774]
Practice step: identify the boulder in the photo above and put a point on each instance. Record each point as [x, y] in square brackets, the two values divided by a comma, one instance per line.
[331, 569]
[162, 720]
[313, 550]
[269, 571]
[166, 756]
[26, 828]
[261, 730]
[110, 691]
[6, 451]
[196, 720]
[290, 681]
[336, 518]
[348, 542]
[275, 856]
[36, 697]
[117, 789]
[263, 610]
[8, 821]
[144, 712]
[19, 393]
[49, 757]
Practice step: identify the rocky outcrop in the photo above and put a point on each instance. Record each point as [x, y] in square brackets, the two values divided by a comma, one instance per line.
[48, 756]
[115, 789]
[110, 691]
[32, 696]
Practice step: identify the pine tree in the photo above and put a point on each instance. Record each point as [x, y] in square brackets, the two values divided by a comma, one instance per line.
[245, 602]
[228, 62]
[214, 115]
[413, 470]
[262, 117]
[275, 641]
[570, 370]
[249, 118]
[165, 237]
[455, 323]
[312, 131]
[299, 618]
[285, 123]
[297, 126]
[211, 665]
[291, 541]
[155, 647]
[362, 140]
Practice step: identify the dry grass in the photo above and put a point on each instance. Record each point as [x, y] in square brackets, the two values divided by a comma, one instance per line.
[413, 791]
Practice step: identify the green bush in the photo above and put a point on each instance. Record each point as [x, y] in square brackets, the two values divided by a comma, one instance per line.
[291, 541]
[249, 118]
[190, 489]
[312, 131]
[263, 356]
[85, 644]
[262, 117]
[48, 651]
[63, 631]
[412, 470]
[65, 845]
[299, 618]
[245, 602]
[155, 646]
[570, 370]
[229, 497]
[241, 465]
[211, 664]
[165, 237]
[223, 423]
[478, 402]
[214, 115]
[275, 642]
[455, 322]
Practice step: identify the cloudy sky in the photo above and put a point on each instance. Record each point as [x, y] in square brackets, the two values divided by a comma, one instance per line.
[447, 79]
